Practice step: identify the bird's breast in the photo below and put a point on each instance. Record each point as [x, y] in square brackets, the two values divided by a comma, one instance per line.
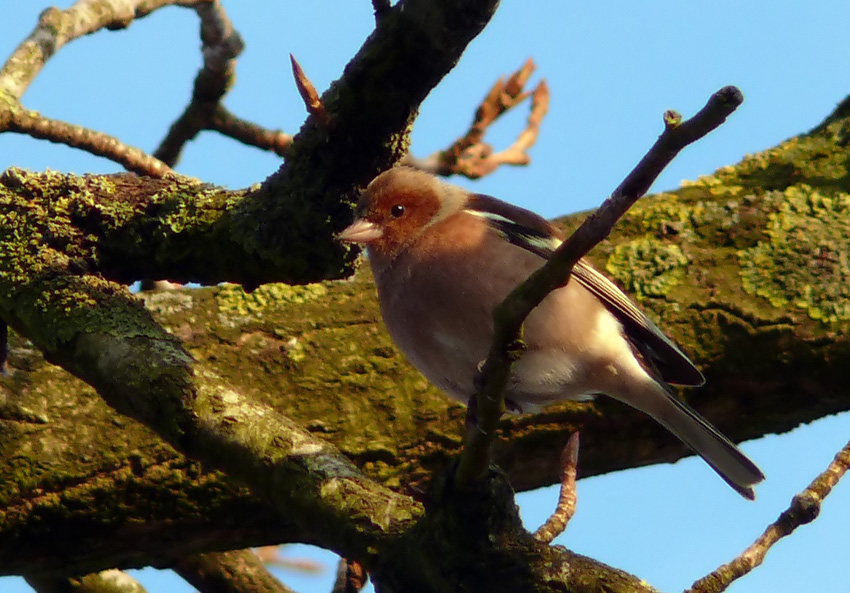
[437, 304]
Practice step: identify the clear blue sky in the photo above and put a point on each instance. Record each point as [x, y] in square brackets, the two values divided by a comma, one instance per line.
[613, 68]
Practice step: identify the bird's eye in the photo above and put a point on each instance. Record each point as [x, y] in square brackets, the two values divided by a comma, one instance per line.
[397, 211]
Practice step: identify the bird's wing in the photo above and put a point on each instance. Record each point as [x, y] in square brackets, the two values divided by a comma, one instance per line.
[657, 349]
[534, 233]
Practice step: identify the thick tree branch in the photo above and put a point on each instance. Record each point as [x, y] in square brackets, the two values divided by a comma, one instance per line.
[145, 373]
[510, 315]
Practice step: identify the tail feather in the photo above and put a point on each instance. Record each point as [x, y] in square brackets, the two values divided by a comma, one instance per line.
[706, 441]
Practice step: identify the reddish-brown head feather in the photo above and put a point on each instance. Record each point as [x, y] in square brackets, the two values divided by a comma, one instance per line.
[402, 203]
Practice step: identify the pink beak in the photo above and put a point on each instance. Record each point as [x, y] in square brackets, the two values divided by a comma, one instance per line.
[360, 231]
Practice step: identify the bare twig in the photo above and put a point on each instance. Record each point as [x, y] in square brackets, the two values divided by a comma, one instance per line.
[221, 45]
[228, 572]
[310, 95]
[469, 155]
[351, 577]
[804, 508]
[131, 158]
[566, 507]
[249, 133]
[510, 315]
[56, 28]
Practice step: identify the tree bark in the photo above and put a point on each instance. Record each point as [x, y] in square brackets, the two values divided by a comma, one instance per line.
[746, 269]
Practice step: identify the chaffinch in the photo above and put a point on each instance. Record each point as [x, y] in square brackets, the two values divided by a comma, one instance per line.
[444, 258]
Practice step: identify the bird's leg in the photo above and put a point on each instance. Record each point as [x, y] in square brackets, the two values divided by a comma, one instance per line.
[566, 508]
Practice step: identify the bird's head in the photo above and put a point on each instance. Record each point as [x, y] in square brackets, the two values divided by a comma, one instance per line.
[397, 207]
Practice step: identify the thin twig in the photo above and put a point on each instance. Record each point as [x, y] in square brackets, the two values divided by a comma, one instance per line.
[804, 508]
[97, 143]
[310, 96]
[221, 45]
[249, 133]
[509, 316]
[469, 155]
[567, 499]
[54, 30]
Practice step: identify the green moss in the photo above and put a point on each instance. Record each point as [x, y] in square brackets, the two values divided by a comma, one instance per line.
[817, 159]
[233, 300]
[663, 213]
[44, 257]
[804, 259]
[647, 267]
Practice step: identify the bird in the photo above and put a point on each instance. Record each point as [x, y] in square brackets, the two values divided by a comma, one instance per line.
[444, 257]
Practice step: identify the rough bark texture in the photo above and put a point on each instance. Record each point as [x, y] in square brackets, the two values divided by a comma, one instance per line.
[216, 419]
[726, 264]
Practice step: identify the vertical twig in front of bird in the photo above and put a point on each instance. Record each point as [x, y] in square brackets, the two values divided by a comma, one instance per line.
[510, 315]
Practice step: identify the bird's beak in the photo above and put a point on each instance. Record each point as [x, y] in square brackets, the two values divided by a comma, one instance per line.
[360, 231]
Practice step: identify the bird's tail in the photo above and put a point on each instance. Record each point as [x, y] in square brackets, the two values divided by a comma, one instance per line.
[707, 442]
